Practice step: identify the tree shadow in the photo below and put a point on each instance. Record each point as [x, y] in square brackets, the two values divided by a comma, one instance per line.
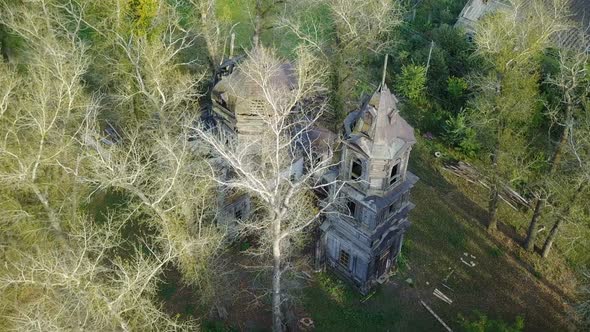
[500, 284]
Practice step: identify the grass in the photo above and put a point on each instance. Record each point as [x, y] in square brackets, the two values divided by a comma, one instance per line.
[446, 225]
[340, 307]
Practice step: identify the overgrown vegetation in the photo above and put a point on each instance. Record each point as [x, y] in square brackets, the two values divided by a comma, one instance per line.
[108, 211]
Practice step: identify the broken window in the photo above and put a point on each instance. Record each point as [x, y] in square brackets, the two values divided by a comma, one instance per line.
[351, 207]
[394, 175]
[395, 206]
[356, 170]
[344, 258]
[392, 208]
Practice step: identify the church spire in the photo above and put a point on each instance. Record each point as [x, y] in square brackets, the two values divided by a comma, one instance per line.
[384, 71]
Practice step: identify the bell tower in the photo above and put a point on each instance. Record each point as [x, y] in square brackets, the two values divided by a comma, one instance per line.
[362, 240]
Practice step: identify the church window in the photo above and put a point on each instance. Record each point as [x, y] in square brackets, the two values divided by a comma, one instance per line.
[351, 207]
[344, 258]
[394, 175]
[356, 170]
[396, 206]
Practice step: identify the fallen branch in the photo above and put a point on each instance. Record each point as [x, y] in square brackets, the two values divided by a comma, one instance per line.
[442, 296]
[472, 175]
[447, 287]
[436, 316]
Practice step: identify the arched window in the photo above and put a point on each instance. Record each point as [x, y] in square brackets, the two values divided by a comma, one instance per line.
[356, 169]
[351, 208]
[394, 175]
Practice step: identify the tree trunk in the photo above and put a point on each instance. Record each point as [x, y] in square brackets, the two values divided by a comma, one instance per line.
[257, 23]
[540, 203]
[493, 209]
[555, 229]
[551, 237]
[495, 190]
[277, 315]
[529, 243]
[4, 44]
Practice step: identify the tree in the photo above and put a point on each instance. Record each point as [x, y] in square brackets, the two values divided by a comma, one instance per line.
[264, 165]
[584, 306]
[510, 41]
[42, 111]
[572, 84]
[64, 270]
[84, 286]
[412, 82]
[147, 154]
[356, 31]
[361, 28]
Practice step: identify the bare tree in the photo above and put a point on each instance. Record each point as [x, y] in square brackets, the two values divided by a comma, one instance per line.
[84, 286]
[42, 112]
[158, 168]
[214, 33]
[572, 85]
[149, 156]
[264, 166]
[61, 271]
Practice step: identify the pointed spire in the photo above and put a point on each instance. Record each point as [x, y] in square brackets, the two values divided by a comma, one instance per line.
[384, 71]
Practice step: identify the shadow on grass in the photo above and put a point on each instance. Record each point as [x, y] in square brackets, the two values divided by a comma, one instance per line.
[447, 224]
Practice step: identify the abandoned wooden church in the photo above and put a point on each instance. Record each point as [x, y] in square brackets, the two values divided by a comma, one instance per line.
[362, 241]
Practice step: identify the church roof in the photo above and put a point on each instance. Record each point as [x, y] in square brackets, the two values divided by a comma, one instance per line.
[377, 129]
[474, 10]
[248, 85]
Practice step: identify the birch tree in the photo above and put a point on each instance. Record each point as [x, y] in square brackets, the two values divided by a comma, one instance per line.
[264, 166]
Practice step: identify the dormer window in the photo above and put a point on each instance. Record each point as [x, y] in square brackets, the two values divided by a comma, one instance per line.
[394, 175]
[356, 169]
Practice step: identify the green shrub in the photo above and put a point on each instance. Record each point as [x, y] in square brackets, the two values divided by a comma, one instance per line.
[336, 289]
[481, 323]
[460, 136]
[496, 252]
[412, 82]
[456, 87]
